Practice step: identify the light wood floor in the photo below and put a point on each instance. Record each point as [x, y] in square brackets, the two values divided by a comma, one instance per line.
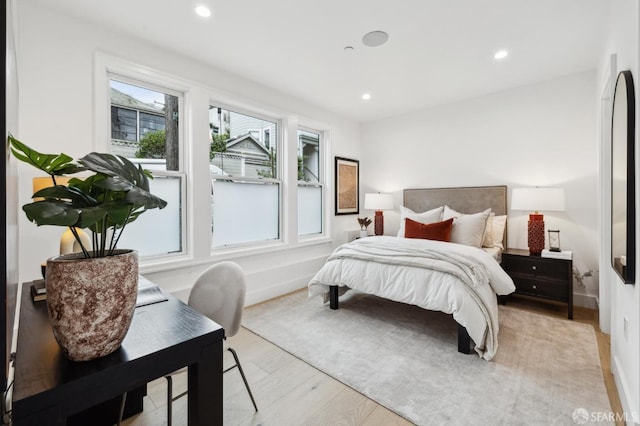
[291, 392]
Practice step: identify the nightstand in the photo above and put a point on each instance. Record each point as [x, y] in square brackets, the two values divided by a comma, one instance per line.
[541, 277]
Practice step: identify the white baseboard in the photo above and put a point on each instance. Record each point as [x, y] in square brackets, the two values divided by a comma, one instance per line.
[276, 290]
[260, 295]
[585, 300]
[271, 282]
[631, 412]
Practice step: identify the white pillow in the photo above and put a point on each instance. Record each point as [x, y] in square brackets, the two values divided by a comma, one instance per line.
[430, 216]
[487, 240]
[468, 229]
[497, 231]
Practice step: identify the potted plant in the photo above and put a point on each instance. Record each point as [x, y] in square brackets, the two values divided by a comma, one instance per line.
[364, 222]
[91, 295]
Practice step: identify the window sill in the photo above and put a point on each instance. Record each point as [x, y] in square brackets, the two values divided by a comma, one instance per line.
[160, 264]
[227, 253]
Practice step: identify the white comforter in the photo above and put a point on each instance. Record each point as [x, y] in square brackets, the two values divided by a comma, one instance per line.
[452, 278]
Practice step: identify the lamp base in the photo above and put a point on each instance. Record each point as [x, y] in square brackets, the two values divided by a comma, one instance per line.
[535, 234]
[68, 243]
[379, 223]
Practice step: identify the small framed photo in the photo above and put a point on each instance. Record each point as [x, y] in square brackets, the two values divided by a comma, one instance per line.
[347, 186]
[554, 240]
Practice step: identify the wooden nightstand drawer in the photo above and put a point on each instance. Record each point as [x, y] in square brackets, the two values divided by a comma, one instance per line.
[536, 267]
[542, 277]
[549, 290]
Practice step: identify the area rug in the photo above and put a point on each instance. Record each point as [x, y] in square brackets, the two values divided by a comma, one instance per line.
[547, 370]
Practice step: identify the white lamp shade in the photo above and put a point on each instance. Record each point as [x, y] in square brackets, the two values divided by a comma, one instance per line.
[378, 201]
[537, 199]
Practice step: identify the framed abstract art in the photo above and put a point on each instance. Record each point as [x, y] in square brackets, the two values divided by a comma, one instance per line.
[347, 186]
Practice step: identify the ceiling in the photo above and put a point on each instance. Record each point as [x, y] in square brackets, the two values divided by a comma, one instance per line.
[438, 51]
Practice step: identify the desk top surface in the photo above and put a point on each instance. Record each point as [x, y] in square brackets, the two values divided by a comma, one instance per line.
[162, 338]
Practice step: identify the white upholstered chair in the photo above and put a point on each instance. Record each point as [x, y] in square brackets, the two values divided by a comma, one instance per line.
[218, 293]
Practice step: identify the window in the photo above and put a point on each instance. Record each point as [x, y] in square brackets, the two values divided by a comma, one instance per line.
[150, 123]
[267, 138]
[245, 178]
[124, 124]
[310, 188]
[146, 129]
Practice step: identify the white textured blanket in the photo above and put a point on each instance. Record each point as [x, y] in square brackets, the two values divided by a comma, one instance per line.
[451, 278]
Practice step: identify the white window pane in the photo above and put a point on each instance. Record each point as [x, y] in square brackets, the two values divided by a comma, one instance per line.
[244, 212]
[309, 210]
[157, 232]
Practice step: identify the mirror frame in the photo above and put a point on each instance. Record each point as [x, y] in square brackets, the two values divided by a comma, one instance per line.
[623, 204]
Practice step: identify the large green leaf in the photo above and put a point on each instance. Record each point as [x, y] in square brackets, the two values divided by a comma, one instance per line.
[115, 165]
[140, 197]
[114, 183]
[118, 213]
[89, 216]
[52, 213]
[73, 195]
[52, 164]
[123, 175]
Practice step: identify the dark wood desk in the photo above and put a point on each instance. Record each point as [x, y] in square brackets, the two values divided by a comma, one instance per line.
[163, 337]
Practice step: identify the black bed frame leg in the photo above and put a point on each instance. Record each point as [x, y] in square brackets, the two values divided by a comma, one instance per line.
[333, 297]
[464, 341]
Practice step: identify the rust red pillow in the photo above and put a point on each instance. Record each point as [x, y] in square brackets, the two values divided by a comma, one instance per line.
[439, 231]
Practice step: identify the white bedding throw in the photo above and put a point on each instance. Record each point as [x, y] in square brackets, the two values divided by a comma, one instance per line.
[452, 278]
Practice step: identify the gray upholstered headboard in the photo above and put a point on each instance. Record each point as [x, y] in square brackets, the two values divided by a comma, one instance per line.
[463, 199]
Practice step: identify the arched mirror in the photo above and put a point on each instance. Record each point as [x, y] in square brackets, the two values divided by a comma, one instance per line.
[623, 225]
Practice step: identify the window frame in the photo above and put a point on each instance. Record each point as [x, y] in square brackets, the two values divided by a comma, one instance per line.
[109, 68]
[181, 173]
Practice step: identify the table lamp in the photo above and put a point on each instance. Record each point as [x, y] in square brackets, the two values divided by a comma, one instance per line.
[68, 243]
[537, 199]
[378, 202]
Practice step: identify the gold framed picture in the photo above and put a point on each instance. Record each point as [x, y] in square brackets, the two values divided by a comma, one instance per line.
[347, 186]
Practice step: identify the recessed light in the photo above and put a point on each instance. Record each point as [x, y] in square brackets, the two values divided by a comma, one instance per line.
[348, 48]
[366, 96]
[501, 54]
[375, 38]
[203, 11]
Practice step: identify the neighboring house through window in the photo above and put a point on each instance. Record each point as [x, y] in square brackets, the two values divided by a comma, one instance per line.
[132, 118]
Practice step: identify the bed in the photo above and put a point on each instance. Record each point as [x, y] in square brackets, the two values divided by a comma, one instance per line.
[457, 279]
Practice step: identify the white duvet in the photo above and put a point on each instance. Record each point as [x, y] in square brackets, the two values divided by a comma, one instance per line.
[452, 278]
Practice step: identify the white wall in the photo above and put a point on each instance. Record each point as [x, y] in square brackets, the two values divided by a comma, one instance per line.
[623, 42]
[56, 59]
[544, 134]
[538, 135]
